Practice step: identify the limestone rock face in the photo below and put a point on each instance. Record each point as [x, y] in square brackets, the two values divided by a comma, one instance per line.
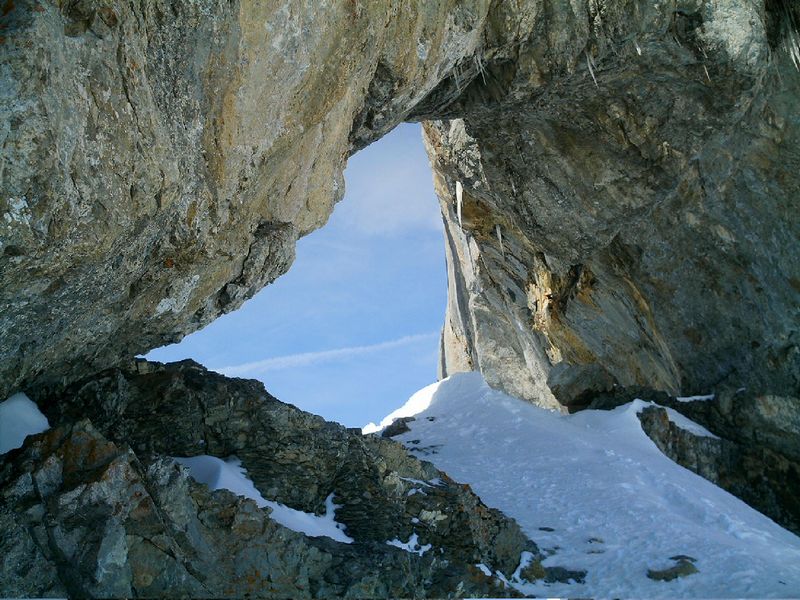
[629, 175]
[628, 205]
[96, 508]
[160, 159]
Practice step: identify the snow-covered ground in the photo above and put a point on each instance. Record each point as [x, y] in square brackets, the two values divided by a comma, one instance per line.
[591, 489]
[594, 491]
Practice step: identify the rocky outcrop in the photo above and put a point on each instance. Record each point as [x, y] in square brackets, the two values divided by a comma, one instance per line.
[628, 229]
[764, 477]
[684, 567]
[98, 509]
[754, 453]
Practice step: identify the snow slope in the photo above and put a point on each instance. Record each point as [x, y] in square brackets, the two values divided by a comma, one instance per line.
[615, 504]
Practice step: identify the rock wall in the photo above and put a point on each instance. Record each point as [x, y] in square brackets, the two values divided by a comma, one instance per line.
[628, 205]
[755, 455]
[763, 477]
[629, 176]
[629, 227]
[161, 158]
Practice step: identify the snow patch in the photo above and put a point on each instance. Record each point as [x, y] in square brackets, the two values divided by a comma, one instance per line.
[19, 418]
[706, 398]
[230, 475]
[433, 482]
[412, 545]
[309, 523]
[415, 405]
[675, 417]
[687, 424]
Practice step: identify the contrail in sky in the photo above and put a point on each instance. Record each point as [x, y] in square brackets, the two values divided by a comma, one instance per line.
[291, 361]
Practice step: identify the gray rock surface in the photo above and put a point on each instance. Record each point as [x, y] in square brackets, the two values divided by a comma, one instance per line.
[161, 158]
[640, 163]
[88, 515]
[747, 466]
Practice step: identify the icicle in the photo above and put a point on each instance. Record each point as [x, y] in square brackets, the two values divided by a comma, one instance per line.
[459, 200]
[500, 238]
[479, 64]
[791, 34]
[793, 46]
[591, 70]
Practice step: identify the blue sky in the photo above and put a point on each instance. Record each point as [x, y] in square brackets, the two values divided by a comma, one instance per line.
[352, 330]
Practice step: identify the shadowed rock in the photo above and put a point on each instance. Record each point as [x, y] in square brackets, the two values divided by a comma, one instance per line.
[683, 568]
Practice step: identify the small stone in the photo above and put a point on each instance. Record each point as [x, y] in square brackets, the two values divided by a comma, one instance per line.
[682, 569]
[398, 427]
[683, 557]
[533, 571]
[562, 575]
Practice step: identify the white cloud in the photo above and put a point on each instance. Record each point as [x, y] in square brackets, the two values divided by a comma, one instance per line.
[304, 359]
